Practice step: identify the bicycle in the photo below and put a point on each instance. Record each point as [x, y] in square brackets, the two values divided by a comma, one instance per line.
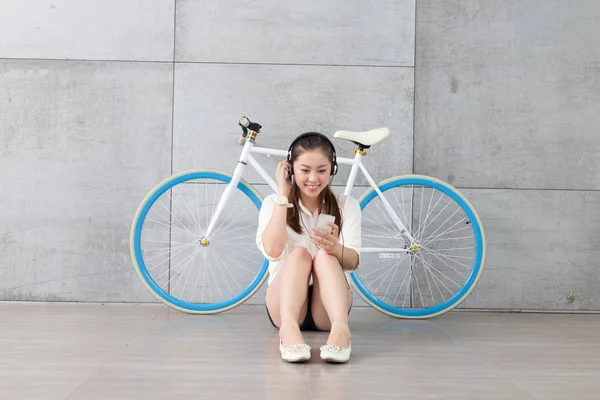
[174, 235]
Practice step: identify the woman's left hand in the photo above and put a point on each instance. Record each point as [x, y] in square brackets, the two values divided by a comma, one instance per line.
[326, 241]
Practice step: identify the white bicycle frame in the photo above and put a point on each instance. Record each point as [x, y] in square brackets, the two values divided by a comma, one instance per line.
[356, 163]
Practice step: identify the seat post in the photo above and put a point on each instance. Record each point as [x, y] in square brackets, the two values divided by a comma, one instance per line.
[361, 149]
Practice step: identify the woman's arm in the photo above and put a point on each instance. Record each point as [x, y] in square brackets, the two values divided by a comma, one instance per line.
[274, 236]
[348, 258]
[347, 249]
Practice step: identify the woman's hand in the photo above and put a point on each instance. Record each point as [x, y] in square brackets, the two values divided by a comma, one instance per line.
[326, 241]
[283, 178]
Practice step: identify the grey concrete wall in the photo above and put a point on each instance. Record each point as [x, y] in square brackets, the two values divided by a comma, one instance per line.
[507, 105]
[100, 100]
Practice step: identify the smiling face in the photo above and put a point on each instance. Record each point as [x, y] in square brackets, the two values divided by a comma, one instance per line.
[311, 173]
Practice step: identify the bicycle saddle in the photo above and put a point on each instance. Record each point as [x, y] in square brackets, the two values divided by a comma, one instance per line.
[366, 138]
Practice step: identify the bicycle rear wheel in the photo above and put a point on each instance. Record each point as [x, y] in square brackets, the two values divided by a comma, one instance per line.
[178, 264]
[441, 271]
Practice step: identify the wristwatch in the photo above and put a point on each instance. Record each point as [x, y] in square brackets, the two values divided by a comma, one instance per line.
[283, 201]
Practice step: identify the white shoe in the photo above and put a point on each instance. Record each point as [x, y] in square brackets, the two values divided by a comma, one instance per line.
[295, 353]
[335, 354]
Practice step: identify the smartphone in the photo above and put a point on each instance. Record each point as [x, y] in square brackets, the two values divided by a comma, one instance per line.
[323, 220]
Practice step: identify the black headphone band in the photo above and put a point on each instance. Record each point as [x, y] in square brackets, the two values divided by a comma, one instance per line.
[289, 153]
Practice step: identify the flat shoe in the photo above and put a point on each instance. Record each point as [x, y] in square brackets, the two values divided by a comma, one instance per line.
[295, 352]
[335, 354]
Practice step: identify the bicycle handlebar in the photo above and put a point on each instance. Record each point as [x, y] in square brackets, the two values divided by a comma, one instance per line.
[247, 125]
[244, 122]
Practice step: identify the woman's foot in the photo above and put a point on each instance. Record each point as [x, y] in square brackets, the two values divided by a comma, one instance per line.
[291, 344]
[339, 336]
[338, 347]
[290, 334]
[295, 353]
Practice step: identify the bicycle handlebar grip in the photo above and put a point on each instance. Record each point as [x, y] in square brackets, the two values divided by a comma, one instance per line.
[244, 122]
[248, 125]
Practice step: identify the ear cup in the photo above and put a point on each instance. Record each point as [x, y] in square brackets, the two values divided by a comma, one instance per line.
[334, 169]
[289, 161]
[334, 164]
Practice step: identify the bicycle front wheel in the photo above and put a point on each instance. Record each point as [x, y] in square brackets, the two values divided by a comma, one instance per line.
[440, 270]
[178, 264]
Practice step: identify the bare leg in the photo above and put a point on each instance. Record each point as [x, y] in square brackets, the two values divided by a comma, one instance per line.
[286, 298]
[332, 299]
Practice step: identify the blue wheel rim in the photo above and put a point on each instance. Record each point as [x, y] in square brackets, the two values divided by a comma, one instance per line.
[142, 265]
[477, 263]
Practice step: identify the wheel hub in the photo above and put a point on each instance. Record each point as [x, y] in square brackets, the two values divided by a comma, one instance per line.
[413, 248]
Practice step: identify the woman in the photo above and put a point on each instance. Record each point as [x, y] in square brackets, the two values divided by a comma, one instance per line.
[308, 286]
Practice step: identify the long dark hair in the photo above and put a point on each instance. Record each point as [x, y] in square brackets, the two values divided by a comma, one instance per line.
[327, 199]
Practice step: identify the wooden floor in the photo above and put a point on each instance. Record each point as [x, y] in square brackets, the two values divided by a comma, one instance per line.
[128, 351]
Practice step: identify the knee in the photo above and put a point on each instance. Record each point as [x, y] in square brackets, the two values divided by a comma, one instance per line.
[300, 258]
[301, 254]
[324, 258]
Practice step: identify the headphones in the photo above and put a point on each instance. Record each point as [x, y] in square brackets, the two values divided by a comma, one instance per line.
[334, 167]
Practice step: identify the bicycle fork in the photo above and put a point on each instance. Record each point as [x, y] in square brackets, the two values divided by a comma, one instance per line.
[237, 175]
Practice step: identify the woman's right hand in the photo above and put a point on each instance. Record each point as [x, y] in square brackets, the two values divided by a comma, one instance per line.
[283, 178]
